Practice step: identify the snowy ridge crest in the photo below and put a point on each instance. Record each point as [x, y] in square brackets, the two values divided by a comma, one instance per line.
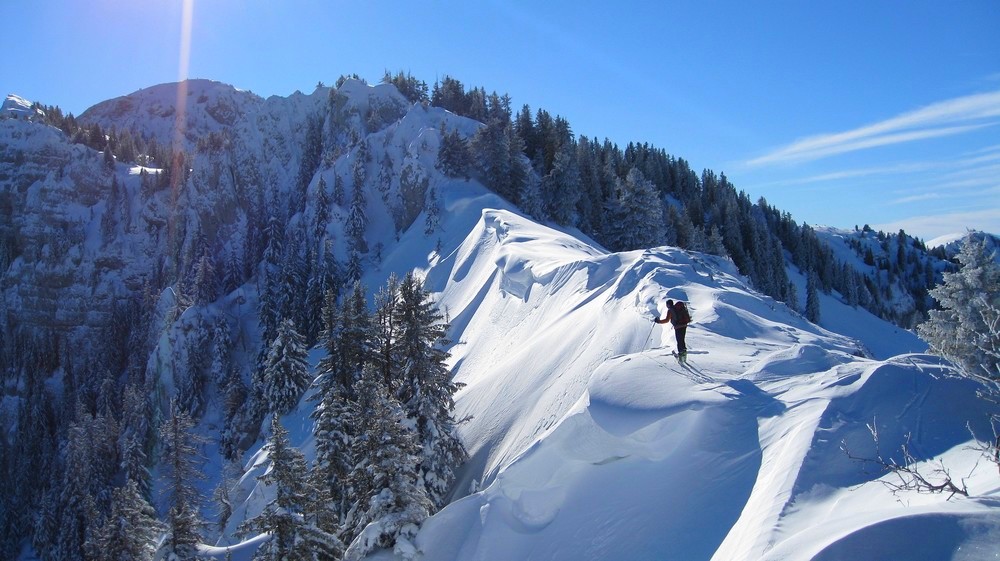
[589, 440]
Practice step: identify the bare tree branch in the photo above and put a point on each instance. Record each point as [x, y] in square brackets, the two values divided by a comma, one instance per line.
[907, 474]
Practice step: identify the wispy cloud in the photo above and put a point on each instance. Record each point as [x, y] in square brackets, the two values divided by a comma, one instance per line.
[894, 170]
[980, 163]
[967, 183]
[945, 118]
[917, 198]
[934, 225]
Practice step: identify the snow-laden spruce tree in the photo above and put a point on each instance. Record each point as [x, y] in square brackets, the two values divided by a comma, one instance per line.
[385, 342]
[453, 158]
[966, 328]
[288, 518]
[89, 462]
[561, 186]
[130, 530]
[812, 297]
[498, 154]
[346, 342]
[389, 502]
[357, 223]
[285, 375]
[181, 470]
[427, 389]
[135, 438]
[636, 215]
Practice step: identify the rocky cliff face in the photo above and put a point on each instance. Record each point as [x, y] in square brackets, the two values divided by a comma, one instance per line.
[51, 193]
[82, 232]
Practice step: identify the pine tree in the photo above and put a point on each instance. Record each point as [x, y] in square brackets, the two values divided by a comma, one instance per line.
[353, 270]
[561, 186]
[205, 281]
[637, 214]
[270, 291]
[812, 298]
[519, 167]
[322, 214]
[78, 509]
[385, 333]
[136, 439]
[389, 504]
[295, 273]
[498, 153]
[530, 199]
[966, 328]
[357, 220]
[222, 497]
[233, 276]
[221, 362]
[793, 297]
[385, 176]
[130, 531]
[453, 158]
[850, 286]
[413, 186]
[109, 158]
[715, 244]
[427, 389]
[47, 523]
[192, 379]
[433, 217]
[293, 536]
[285, 375]
[181, 471]
[450, 94]
[346, 345]
[591, 203]
[353, 338]
[338, 191]
[234, 397]
[312, 151]
[316, 286]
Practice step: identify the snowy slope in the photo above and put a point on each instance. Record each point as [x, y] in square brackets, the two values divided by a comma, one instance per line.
[589, 441]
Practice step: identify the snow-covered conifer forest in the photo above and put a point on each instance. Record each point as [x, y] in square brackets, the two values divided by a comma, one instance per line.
[401, 321]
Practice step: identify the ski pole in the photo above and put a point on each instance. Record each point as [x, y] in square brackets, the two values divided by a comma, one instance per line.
[648, 335]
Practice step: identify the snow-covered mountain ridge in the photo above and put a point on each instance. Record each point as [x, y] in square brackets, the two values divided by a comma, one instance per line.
[587, 439]
[591, 441]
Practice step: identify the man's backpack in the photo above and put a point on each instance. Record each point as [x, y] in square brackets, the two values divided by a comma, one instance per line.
[681, 314]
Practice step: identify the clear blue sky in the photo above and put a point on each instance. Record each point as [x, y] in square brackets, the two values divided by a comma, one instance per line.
[842, 113]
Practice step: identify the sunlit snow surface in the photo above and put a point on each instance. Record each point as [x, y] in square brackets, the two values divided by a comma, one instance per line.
[590, 441]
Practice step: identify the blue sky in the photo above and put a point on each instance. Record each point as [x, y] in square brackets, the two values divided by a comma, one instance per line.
[842, 113]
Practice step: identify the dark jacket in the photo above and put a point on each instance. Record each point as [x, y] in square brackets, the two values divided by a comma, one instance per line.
[676, 315]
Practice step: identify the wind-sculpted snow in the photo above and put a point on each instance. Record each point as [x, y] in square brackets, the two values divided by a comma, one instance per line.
[590, 441]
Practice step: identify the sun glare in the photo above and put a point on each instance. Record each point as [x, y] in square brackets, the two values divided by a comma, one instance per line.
[187, 14]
